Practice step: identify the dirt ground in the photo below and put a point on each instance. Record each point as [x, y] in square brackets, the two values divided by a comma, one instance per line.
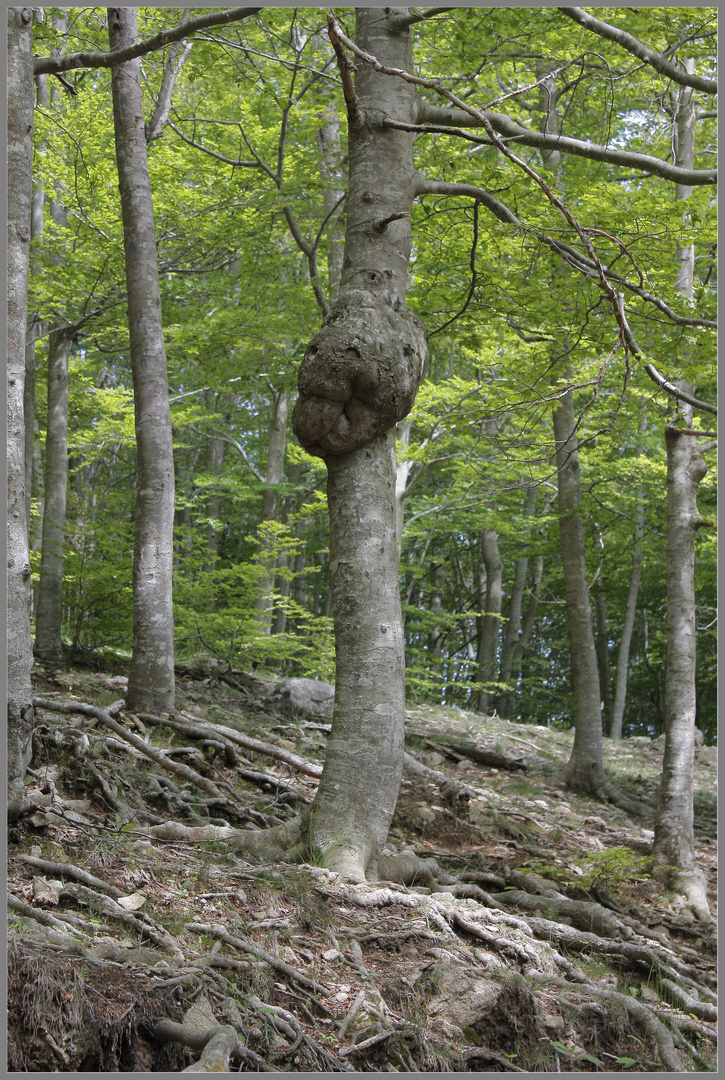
[132, 954]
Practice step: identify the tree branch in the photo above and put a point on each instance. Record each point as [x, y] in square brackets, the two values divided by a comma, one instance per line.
[214, 154]
[51, 65]
[663, 383]
[310, 254]
[472, 287]
[345, 67]
[154, 128]
[632, 45]
[402, 22]
[211, 434]
[509, 129]
[575, 258]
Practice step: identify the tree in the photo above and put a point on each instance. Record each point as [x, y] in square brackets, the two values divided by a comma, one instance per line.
[151, 680]
[359, 377]
[625, 637]
[673, 848]
[20, 191]
[233, 181]
[48, 618]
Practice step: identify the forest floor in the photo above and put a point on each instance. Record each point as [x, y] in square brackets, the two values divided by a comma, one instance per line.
[132, 954]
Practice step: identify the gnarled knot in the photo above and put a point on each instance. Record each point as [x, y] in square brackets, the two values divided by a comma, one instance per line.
[359, 376]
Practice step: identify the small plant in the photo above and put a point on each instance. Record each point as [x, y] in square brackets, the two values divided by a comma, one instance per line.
[614, 867]
[575, 1054]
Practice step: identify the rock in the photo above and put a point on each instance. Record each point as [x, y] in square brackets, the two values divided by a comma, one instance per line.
[307, 695]
[501, 1012]
[460, 998]
[595, 823]
[707, 755]
[115, 682]
[552, 1021]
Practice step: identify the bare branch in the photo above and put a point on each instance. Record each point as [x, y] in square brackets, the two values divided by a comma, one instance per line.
[345, 67]
[310, 253]
[472, 287]
[663, 383]
[509, 129]
[632, 45]
[154, 128]
[212, 434]
[402, 22]
[51, 65]
[212, 153]
[575, 258]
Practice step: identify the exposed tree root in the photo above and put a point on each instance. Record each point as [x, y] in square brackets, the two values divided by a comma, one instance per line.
[641, 1014]
[410, 905]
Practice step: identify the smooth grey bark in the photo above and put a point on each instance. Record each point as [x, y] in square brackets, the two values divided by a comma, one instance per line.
[269, 513]
[602, 643]
[630, 610]
[673, 849]
[20, 715]
[354, 805]
[48, 618]
[403, 467]
[505, 701]
[330, 158]
[214, 451]
[585, 769]
[33, 477]
[359, 378]
[151, 678]
[29, 413]
[490, 618]
[674, 843]
[36, 231]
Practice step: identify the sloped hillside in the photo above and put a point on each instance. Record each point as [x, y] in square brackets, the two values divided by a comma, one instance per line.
[530, 938]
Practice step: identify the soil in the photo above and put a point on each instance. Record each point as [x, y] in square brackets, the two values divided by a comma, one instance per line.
[308, 973]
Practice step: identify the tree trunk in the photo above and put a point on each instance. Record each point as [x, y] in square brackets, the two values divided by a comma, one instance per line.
[214, 452]
[602, 641]
[402, 472]
[359, 377]
[36, 230]
[19, 196]
[585, 769]
[486, 655]
[330, 158]
[359, 787]
[673, 848]
[48, 619]
[151, 678]
[504, 702]
[274, 476]
[674, 843]
[625, 637]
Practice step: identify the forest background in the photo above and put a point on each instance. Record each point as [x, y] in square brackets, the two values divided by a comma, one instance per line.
[299, 206]
[249, 184]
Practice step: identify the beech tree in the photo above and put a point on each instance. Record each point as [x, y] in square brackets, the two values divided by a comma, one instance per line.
[151, 680]
[20, 190]
[242, 200]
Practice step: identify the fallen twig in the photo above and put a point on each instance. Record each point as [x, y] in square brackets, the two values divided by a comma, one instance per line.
[219, 931]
